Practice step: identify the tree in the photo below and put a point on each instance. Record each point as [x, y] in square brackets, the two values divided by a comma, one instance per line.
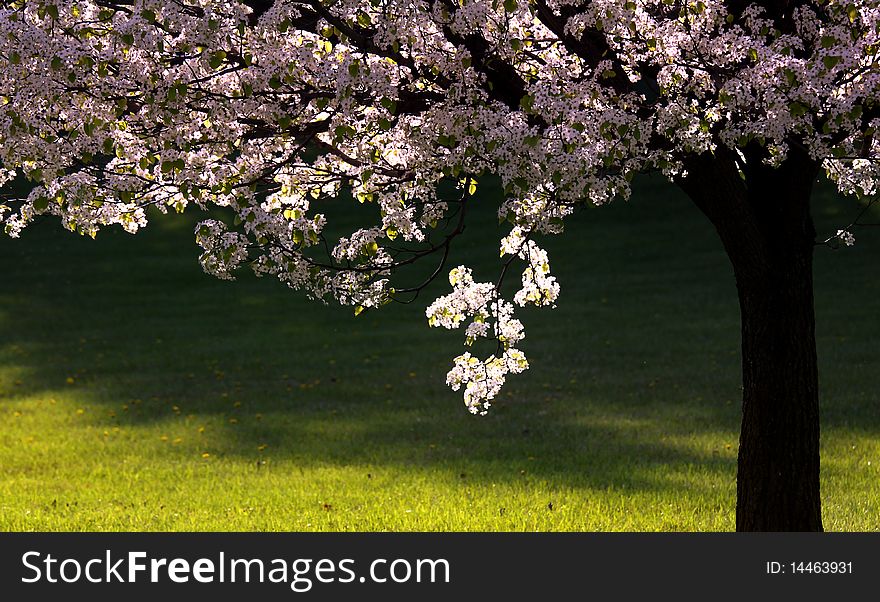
[272, 109]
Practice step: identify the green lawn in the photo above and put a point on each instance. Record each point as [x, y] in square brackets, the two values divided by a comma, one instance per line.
[137, 393]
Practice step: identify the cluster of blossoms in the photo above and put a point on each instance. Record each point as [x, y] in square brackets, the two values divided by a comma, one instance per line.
[846, 237]
[273, 114]
[490, 317]
[538, 286]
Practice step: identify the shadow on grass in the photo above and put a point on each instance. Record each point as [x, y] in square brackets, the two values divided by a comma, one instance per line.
[635, 373]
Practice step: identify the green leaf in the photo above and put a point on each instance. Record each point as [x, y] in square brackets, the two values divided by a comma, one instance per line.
[444, 140]
[831, 61]
[797, 109]
[388, 104]
[510, 5]
[216, 59]
[853, 13]
[41, 203]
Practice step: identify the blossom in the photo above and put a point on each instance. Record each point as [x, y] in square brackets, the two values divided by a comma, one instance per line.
[846, 237]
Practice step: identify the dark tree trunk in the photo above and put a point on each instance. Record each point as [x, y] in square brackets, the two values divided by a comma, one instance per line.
[778, 468]
[765, 225]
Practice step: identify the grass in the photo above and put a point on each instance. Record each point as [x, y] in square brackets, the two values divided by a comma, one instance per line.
[137, 393]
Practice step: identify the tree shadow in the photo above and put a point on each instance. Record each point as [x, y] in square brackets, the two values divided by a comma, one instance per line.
[634, 375]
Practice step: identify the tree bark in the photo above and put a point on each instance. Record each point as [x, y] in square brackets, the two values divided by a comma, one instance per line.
[764, 222]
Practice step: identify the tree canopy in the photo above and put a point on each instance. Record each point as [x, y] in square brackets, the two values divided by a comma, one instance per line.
[272, 109]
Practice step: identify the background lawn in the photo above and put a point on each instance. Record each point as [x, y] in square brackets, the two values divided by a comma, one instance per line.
[137, 393]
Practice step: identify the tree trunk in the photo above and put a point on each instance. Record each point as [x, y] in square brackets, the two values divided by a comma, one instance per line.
[765, 225]
[778, 468]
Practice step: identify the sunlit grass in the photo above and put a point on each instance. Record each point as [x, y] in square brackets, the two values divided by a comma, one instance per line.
[137, 393]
